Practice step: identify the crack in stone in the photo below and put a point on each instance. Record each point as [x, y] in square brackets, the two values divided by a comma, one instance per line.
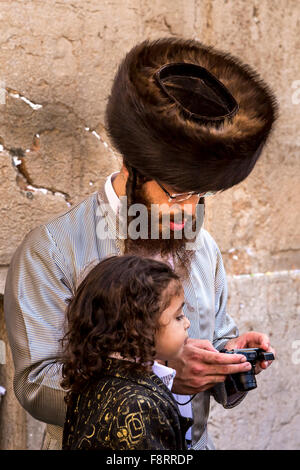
[17, 95]
[3, 146]
[35, 106]
[98, 136]
[23, 179]
[169, 27]
[283, 273]
[25, 182]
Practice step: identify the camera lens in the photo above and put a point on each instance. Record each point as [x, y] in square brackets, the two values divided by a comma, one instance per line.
[245, 381]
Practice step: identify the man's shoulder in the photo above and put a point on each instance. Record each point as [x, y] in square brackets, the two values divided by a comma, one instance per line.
[207, 241]
[207, 250]
[68, 221]
[82, 209]
[63, 233]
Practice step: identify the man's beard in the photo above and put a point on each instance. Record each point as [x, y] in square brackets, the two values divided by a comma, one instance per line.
[174, 251]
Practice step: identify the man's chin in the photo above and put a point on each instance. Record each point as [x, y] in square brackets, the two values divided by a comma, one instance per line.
[166, 243]
[169, 250]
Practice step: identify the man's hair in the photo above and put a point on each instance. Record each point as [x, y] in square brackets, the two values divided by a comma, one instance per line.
[116, 308]
[157, 140]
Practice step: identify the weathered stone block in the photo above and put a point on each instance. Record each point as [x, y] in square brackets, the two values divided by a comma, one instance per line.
[269, 417]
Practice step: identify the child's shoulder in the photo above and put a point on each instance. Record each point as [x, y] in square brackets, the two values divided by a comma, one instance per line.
[139, 394]
[141, 401]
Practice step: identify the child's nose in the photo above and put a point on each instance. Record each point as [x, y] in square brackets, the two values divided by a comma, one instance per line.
[187, 323]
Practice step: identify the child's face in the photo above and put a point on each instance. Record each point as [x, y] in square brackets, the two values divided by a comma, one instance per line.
[172, 334]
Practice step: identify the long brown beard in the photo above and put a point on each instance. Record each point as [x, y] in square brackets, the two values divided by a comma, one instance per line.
[170, 250]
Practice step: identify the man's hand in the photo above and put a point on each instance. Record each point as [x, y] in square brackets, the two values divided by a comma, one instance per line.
[201, 366]
[253, 339]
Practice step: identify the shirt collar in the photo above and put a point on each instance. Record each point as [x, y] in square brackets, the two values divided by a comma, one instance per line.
[112, 197]
[166, 374]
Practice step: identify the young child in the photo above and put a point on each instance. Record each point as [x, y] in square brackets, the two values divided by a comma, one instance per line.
[125, 316]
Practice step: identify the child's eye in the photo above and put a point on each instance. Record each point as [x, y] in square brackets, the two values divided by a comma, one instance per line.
[180, 317]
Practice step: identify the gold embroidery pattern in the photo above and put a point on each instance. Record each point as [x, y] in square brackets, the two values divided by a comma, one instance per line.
[121, 413]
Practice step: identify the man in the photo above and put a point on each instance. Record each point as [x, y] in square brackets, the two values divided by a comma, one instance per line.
[188, 121]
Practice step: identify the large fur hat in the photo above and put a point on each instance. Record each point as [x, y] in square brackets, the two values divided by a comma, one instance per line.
[189, 115]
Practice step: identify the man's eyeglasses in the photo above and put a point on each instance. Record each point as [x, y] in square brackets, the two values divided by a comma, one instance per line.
[184, 196]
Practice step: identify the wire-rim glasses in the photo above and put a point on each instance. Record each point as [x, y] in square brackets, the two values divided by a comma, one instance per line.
[184, 196]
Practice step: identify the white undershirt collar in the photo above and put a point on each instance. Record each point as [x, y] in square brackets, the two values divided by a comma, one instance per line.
[112, 197]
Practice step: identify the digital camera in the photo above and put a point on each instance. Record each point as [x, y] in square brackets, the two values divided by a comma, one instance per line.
[245, 381]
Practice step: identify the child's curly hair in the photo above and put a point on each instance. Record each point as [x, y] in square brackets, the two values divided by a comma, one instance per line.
[116, 308]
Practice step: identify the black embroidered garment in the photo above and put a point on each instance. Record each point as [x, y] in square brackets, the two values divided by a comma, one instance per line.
[124, 410]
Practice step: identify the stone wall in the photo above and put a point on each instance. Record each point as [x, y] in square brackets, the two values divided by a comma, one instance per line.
[57, 62]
